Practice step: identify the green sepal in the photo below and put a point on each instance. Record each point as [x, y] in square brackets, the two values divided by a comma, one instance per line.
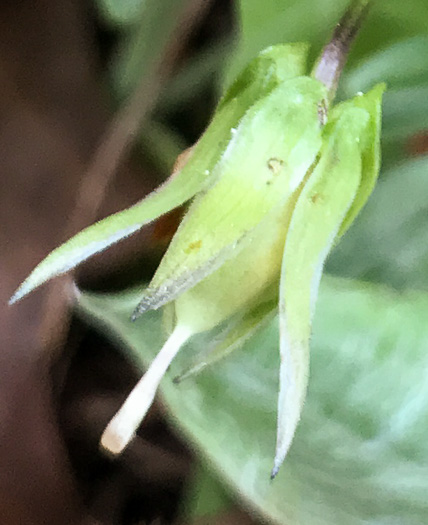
[236, 334]
[320, 209]
[370, 149]
[269, 69]
[273, 147]
[263, 74]
[249, 278]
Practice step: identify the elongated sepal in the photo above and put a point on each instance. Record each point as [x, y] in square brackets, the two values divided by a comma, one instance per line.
[235, 336]
[265, 73]
[250, 183]
[96, 238]
[369, 146]
[319, 212]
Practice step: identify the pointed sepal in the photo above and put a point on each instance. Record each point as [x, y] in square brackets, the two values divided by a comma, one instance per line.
[261, 76]
[250, 183]
[235, 335]
[370, 149]
[320, 210]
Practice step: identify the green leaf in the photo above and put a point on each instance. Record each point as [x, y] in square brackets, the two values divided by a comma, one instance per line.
[389, 241]
[359, 456]
[272, 21]
[205, 497]
[197, 75]
[319, 212]
[266, 23]
[400, 65]
[143, 44]
[124, 12]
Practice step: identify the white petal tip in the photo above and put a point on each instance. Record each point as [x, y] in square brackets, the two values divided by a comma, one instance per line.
[75, 290]
[278, 461]
[123, 426]
[274, 472]
[18, 295]
[114, 442]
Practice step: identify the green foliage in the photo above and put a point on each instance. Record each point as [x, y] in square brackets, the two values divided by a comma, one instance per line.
[403, 67]
[266, 23]
[389, 242]
[142, 45]
[359, 456]
[268, 172]
[206, 495]
[123, 12]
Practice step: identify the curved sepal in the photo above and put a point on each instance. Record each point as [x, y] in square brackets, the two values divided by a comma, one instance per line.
[370, 149]
[96, 238]
[268, 157]
[262, 75]
[268, 70]
[319, 212]
[236, 335]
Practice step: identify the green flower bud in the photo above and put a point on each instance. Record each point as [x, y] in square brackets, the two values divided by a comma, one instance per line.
[262, 232]
[276, 179]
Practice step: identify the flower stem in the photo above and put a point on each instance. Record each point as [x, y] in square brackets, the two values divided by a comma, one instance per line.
[122, 427]
[332, 60]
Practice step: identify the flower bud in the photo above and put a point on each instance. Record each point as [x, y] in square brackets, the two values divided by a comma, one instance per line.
[276, 179]
[265, 228]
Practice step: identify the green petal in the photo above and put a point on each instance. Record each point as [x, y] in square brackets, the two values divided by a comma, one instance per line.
[103, 234]
[370, 149]
[236, 335]
[319, 212]
[268, 70]
[259, 78]
[242, 282]
[266, 160]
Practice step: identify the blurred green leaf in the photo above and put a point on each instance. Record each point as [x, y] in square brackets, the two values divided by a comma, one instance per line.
[122, 12]
[273, 21]
[389, 240]
[206, 495]
[196, 75]
[404, 68]
[405, 112]
[400, 65]
[360, 456]
[161, 145]
[143, 44]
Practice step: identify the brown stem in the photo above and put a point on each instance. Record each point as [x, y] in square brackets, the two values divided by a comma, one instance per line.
[333, 58]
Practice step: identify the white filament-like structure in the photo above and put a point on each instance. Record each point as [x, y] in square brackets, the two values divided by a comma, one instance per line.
[122, 428]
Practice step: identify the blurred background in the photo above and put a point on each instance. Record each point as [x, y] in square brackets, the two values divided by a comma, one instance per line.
[98, 98]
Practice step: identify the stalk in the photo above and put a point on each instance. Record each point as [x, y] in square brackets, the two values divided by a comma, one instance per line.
[332, 60]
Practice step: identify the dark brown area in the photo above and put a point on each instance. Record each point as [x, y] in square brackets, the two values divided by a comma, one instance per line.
[54, 110]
